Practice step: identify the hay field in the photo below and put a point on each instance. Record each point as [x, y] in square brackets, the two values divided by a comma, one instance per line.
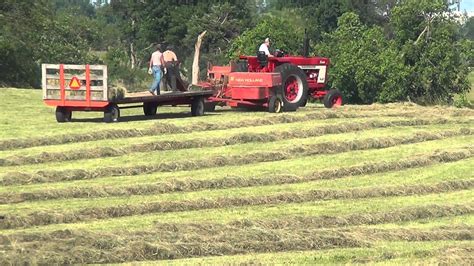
[380, 184]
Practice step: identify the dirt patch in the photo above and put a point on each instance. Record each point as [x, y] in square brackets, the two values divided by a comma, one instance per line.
[193, 184]
[16, 178]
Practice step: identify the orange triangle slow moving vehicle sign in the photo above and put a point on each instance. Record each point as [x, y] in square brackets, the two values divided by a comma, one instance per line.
[75, 83]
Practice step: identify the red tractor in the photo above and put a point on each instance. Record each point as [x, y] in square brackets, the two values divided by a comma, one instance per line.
[278, 83]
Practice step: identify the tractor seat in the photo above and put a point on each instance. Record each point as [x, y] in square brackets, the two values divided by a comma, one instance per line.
[262, 59]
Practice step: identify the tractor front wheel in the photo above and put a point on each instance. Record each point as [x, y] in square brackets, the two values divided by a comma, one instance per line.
[332, 98]
[274, 104]
[63, 114]
[111, 114]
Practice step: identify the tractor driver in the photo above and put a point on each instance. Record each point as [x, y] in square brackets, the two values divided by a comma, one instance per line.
[264, 47]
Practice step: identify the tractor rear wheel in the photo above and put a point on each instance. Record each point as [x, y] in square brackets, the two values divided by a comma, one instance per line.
[63, 114]
[111, 114]
[294, 88]
[149, 109]
[303, 104]
[197, 106]
[332, 98]
[274, 104]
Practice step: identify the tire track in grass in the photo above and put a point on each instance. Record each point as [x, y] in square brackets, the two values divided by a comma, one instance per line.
[73, 247]
[103, 152]
[191, 184]
[18, 178]
[167, 128]
[38, 218]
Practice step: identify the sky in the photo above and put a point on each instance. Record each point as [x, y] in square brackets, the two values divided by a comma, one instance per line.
[467, 5]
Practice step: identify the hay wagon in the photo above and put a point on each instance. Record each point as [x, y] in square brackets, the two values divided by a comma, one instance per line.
[72, 88]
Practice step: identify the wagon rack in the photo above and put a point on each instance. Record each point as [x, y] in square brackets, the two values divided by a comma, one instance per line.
[84, 88]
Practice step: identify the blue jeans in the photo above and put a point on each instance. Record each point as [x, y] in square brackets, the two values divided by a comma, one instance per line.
[155, 86]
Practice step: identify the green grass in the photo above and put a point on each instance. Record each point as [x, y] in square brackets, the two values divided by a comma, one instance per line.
[297, 166]
[428, 175]
[144, 158]
[115, 143]
[226, 215]
[23, 116]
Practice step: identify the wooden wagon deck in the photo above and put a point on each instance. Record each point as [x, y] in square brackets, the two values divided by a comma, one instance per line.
[163, 98]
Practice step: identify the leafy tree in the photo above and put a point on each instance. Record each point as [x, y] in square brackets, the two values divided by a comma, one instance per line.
[48, 35]
[366, 66]
[284, 36]
[467, 30]
[430, 43]
[322, 15]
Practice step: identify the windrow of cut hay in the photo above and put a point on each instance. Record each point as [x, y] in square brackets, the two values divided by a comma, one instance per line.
[166, 128]
[68, 247]
[241, 138]
[452, 111]
[401, 215]
[192, 184]
[332, 147]
[37, 218]
[455, 255]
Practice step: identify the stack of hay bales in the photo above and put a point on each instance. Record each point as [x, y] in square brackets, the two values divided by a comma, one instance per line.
[117, 92]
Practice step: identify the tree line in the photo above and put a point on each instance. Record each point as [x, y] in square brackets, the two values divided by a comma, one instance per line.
[381, 50]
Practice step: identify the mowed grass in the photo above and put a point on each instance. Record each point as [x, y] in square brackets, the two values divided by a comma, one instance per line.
[285, 205]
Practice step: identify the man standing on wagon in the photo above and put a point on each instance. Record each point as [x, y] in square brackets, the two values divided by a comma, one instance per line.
[156, 63]
[172, 70]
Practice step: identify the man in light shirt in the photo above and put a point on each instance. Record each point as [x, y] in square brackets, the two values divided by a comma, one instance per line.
[171, 65]
[264, 47]
[156, 63]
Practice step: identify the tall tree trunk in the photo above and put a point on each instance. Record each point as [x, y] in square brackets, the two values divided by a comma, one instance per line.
[197, 48]
[132, 56]
[132, 48]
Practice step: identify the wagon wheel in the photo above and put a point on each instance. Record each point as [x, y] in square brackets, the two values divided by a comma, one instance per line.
[63, 114]
[149, 108]
[332, 98]
[111, 113]
[197, 106]
[294, 88]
